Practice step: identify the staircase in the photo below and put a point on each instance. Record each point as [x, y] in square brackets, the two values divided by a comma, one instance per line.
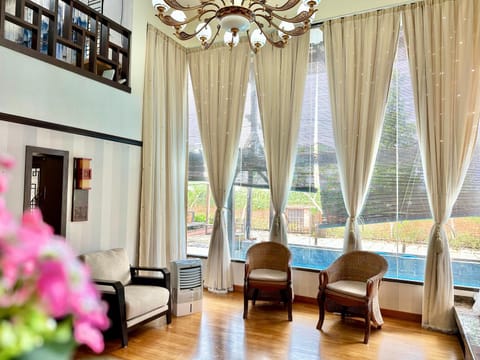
[96, 5]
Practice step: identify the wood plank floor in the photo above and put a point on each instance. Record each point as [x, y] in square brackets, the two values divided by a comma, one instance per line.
[220, 332]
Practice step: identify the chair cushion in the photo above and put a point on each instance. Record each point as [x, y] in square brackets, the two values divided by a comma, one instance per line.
[349, 287]
[141, 299]
[268, 275]
[110, 264]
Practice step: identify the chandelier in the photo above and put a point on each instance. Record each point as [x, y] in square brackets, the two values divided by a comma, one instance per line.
[235, 17]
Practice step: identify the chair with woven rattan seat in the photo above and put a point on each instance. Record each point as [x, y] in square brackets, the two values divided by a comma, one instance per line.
[268, 275]
[350, 286]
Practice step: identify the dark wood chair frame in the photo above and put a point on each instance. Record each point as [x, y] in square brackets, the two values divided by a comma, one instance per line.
[116, 300]
[350, 305]
[268, 290]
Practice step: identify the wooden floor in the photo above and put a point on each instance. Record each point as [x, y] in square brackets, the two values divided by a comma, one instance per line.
[220, 332]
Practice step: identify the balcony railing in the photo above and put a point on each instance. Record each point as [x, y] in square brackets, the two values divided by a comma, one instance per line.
[69, 34]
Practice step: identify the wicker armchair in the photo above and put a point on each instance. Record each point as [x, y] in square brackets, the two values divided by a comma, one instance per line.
[350, 286]
[268, 275]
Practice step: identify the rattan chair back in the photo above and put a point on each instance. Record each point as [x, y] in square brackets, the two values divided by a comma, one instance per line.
[359, 265]
[268, 255]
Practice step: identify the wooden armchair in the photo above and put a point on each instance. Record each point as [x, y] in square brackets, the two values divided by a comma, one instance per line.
[268, 275]
[350, 286]
[133, 299]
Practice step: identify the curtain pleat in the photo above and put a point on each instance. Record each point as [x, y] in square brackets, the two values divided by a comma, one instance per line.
[360, 51]
[443, 40]
[219, 80]
[280, 79]
[162, 213]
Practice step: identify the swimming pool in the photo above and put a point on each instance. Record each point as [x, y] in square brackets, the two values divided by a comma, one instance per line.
[400, 266]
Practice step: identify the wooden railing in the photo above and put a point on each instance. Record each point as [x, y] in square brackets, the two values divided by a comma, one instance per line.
[69, 34]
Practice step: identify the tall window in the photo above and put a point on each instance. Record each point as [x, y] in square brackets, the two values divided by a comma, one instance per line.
[396, 217]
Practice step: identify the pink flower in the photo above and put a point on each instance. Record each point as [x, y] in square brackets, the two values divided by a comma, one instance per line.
[40, 270]
[52, 287]
[3, 183]
[7, 161]
[86, 334]
[7, 223]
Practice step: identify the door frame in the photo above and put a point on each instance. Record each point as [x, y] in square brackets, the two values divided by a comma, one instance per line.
[31, 151]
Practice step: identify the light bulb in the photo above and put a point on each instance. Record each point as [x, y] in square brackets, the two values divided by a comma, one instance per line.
[205, 34]
[287, 27]
[230, 40]
[160, 5]
[311, 2]
[257, 38]
[179, 16]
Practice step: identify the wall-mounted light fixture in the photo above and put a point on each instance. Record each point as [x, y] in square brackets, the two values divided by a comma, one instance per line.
[83, 173]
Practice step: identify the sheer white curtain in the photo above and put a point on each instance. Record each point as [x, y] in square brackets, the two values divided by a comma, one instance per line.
[443, 39]
[280, 78]
[219, 80]
[162, 214]
[360, 51]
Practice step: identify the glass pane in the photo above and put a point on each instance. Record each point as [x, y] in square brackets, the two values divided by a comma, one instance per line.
[28, 15]
[18, 35]
[66, 54]
[47, 4]
[61, 14]
[10, 7]
[79, 18]
[115, 37]
[45, 28]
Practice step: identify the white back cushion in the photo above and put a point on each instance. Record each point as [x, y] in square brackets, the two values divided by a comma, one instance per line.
[110, 264]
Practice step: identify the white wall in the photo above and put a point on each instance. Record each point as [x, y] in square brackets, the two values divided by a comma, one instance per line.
[35, 89]
[38, 90]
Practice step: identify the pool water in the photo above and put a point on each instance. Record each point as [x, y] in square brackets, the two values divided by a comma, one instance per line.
[400, 266]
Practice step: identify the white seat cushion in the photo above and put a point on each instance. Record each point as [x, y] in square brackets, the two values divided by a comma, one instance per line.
[141, 299]
[349, 287]
[268, 275]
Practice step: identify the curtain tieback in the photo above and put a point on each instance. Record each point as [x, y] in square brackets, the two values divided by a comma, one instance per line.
[352, 220]
[218, 213]
[276, 223]
[437, 238]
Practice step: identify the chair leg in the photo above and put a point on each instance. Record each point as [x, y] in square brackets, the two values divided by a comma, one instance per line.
[254, 296]
[321, 310]
[367, 327]
[124, 335]
[245, 302]
[289, 303]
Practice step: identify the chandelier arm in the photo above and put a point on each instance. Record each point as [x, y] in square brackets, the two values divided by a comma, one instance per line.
[295, 32]
[289, 4]
[299, 18]
[177, 6]
[182, 35]
[206, 45]
[278, 43]
[267, 18]
[170, 21]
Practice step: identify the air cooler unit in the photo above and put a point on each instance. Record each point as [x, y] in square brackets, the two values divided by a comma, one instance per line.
[187, 286]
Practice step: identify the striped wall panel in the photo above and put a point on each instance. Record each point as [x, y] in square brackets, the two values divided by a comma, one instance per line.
[113, 213]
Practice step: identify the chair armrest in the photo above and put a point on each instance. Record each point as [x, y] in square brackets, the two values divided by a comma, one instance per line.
[247, 271]
[150, 280]
[373, 283]
[117, 286]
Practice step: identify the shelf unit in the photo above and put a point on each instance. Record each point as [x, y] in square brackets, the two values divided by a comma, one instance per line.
[69, 34]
